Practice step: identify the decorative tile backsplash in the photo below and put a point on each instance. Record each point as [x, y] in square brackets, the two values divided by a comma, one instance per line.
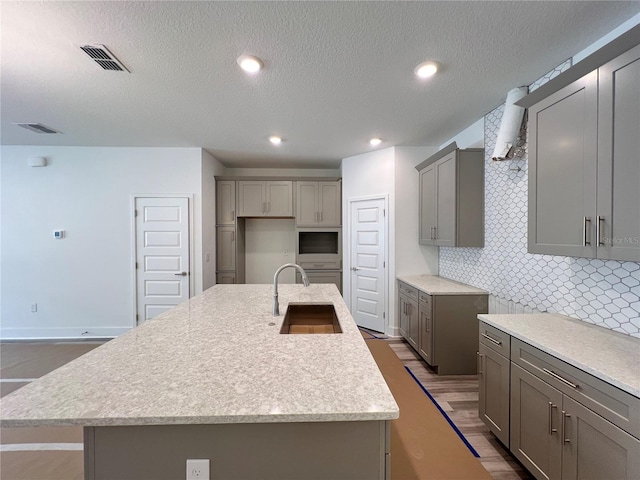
[606, 293]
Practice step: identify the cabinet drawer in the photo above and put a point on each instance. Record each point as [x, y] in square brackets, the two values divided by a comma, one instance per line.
[322, 265]
[495, 339]
[425, 300]
[619, 407]
[408, 291]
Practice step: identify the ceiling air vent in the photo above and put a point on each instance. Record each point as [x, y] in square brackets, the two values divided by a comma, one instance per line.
[104, 58]
[37, 127]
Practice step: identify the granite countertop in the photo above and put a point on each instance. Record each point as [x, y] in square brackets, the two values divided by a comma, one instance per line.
[605, 354]
[434, 285]
[214, 359]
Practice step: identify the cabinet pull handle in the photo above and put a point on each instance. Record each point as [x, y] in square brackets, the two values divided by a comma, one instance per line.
[564, 427]
[233, 214]
[551, 429]
[321, 217]
[479, 363]
[496, 342]
[585, 240]
[435, 233]
[599, 230]
[558, 377]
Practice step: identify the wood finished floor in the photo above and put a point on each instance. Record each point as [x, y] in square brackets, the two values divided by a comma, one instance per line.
[457, 395]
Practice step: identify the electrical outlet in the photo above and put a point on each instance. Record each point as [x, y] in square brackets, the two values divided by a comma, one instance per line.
[198, 469]
[34, 307]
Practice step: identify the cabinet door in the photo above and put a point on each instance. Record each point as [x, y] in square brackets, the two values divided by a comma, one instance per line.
[226, 248]
[562, 170]
[493, 405]
[594, 448]
[279, 199]
[226, 278]
[323, 277]
[306, 204]
[535, 424]
[329, 203]
[618, 166]
[403, 315]
[251, 199]
[413, 322]
[226, 202]
[427, 213]
[426, 335]
[446, 188]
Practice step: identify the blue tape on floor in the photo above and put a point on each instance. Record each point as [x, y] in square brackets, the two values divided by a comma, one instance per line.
[444, 414]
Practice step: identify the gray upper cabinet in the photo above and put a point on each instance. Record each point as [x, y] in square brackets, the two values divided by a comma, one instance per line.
[318, 204]
[451, 204]
[584, 168]
[265, 198]
[618, 210]
[225, 202]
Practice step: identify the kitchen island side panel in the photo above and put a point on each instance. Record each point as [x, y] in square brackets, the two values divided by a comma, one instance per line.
[319, 450]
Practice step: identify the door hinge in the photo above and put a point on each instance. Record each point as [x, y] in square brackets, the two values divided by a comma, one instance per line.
[384, 315]
[135, 213]
[384, 264]
[137, 317]
[384, 212]
[136, 265]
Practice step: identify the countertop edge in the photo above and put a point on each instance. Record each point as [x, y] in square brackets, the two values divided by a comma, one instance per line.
[560, 355]
[464, 288]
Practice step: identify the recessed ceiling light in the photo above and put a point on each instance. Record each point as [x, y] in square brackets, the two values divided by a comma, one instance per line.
[249, 63]
[275, 140]
[426, 69]
[375, 141]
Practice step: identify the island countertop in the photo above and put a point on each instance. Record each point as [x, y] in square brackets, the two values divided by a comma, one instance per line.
[214, 359]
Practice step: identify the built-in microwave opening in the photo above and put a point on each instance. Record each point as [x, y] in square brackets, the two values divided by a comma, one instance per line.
[319, 248]
[321, 242]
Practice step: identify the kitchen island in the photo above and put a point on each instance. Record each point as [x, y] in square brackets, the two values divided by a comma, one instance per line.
[213, 378]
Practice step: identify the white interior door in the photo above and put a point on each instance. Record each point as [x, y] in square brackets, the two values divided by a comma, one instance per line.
[162, 254]
[368, 263]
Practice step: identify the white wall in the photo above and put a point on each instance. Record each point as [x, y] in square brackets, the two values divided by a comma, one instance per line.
[470, 137]
[411, 258]
[366, 175]
[269, 243]
[83, 283]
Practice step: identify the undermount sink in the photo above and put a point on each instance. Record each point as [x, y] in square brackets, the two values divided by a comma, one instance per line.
[306, 318]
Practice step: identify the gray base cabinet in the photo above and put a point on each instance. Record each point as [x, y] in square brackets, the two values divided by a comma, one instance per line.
[441, 328]
[563, 423]
[494, 381]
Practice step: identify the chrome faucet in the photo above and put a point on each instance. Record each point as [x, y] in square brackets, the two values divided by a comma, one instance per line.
[305, 280]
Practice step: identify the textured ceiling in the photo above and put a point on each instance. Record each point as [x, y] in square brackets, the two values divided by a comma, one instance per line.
[337, 73]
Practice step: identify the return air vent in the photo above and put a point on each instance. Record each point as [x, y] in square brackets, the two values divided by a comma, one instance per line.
[104, 58]
[37, 127]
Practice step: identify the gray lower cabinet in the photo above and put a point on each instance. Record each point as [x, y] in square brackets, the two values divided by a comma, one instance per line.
[535, 424]
[322, 276]
[443, 329]
[493, 383]
[451, 205]
[563, 423]
[408, 314]
[584, 174]
[230, 253]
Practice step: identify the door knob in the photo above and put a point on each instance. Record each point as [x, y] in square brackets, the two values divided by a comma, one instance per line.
[355, 269]
[181, 274]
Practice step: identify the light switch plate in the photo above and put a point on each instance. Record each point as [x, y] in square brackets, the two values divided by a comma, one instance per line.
[198, 469]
